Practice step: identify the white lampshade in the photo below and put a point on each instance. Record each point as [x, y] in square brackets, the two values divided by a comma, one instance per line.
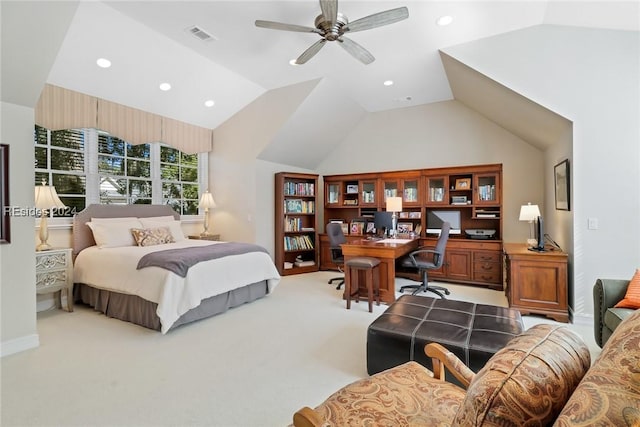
[46, 197]
[206, 201]
[394, 204]
[529, 212]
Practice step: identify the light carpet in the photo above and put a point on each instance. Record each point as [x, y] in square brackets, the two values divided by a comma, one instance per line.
[254, 365]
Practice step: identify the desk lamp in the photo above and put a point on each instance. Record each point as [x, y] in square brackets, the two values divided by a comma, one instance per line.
[46, 198]
[394, 204]
[206, 202]
[530, 212]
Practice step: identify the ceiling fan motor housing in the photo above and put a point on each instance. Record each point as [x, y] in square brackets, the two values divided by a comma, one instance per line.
[331, 31]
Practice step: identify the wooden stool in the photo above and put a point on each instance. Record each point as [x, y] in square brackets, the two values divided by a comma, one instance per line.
[372, 278]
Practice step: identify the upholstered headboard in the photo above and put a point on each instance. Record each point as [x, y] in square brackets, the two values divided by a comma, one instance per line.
[82, 235]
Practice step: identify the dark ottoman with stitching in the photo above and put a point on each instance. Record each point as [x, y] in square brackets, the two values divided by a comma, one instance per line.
[473, 332]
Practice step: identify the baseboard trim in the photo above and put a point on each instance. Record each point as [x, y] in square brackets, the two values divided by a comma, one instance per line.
[17, 345]
[582, 319]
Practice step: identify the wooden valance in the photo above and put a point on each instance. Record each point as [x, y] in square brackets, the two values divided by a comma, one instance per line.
[59, 108]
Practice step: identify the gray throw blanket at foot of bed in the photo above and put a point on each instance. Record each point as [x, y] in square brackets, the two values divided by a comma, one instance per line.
[179, 260]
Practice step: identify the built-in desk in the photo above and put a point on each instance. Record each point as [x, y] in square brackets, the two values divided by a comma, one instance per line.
[536, 282]
[387, 251]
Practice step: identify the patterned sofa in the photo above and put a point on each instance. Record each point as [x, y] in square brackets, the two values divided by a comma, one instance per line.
[542, 377]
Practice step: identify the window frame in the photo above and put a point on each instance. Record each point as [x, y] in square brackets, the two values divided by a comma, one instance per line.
[92, 175]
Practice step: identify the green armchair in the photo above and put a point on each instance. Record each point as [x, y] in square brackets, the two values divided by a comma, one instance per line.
[606, 294]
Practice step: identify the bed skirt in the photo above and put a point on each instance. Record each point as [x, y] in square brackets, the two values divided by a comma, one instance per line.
[132, 308]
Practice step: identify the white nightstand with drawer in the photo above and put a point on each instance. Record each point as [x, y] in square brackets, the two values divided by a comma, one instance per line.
[54, 273]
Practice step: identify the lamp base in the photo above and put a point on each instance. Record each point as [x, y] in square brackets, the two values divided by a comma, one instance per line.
[44, 247]
[205, 234]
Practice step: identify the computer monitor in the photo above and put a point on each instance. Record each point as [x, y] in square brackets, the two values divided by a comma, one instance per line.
[436, 218]
[539, 229]
[383, 222]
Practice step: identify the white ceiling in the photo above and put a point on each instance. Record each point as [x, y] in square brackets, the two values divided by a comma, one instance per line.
[147, 43]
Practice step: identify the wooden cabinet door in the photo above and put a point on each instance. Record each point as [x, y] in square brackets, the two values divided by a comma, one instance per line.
[332, 194]
[458, 264]
[436, 190]
[368, 193]
[411, 192]
[486, 188]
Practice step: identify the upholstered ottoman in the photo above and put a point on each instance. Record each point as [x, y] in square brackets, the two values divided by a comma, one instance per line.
[473, 332]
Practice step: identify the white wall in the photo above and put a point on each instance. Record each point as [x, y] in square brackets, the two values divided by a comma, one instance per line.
[242, 185]
[444, 134]
[591, 77]
[17, 259]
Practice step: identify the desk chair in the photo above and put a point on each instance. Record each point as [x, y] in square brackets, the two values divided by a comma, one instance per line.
[428, 259]
[336, 238]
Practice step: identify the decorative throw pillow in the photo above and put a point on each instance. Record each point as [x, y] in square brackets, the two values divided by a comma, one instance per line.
[173, 225]
[152, 236]
[632, 297]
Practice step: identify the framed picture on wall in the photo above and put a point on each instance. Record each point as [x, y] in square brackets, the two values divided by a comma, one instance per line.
[561, 179]
[5, 229]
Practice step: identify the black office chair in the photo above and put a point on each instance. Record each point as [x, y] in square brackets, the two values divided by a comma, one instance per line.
[336, 238]
[428, 259]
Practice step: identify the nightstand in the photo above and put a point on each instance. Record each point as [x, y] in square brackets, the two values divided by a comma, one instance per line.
[209, 237]
[54, 273]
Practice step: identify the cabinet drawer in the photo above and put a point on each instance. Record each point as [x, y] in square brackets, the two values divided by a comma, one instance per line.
[490, 276]
[50, 281]
[486, 267]
[486, 256]
[51, 261]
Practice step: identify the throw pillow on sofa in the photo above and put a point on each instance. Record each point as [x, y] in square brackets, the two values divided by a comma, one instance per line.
[632, 297]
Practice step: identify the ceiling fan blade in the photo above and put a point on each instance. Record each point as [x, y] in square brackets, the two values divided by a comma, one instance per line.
[357, 51]
[377, 20]
[309, 53]
[286, 27]
[329, 9]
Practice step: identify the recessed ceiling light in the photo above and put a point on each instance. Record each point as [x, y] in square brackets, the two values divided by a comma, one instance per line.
[293, 62]
[165, 86]
[209, 103]
[444, 20]
[388, 82]
[103, 63]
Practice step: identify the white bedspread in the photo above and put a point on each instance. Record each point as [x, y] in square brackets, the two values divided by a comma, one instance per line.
[114, 269]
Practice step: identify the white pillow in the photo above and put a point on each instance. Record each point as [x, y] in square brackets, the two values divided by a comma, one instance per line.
[159, 218]
[113, 234]
[116, 219]
[174, 227]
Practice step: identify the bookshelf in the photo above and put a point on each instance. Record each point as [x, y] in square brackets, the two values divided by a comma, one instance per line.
[296, 224]
[475, 191]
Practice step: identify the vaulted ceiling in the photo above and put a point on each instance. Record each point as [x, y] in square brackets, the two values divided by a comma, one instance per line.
[149, 42]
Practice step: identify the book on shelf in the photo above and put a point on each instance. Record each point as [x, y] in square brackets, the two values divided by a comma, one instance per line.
[288, 265]
[486, 215]
[304, 263]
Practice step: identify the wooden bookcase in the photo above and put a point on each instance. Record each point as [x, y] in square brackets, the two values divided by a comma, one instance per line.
[296, 224]
[473, 191]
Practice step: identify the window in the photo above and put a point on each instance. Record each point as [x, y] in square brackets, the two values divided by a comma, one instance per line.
[90, 166]
[179, 174]
[60, 161]
[125, 171]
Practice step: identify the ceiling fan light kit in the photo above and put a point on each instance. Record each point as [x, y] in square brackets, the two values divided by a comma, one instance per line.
[332, 25]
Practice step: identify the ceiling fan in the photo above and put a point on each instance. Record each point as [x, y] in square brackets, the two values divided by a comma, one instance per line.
[332, 26]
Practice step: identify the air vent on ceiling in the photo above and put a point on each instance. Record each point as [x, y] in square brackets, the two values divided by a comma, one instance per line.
[200, 33]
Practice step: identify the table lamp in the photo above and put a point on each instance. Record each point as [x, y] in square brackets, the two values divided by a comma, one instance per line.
[46, 198]
[206, 202]
[530, 212]
[394, 205]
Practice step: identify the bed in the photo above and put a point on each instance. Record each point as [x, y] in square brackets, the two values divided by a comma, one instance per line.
[106, 276]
